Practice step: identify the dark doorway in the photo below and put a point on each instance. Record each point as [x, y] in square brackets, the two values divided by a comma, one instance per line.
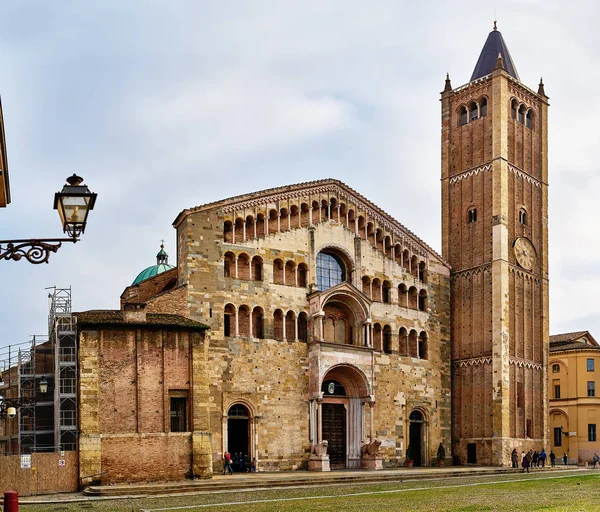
[237, 430]
[415, 436]
[471, 453]
[334, 432]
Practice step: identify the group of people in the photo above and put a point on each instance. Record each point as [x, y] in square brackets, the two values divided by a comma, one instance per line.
[239, 461]
[533, 459]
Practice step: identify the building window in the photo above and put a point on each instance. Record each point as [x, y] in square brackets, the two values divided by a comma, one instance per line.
[591, 388]
[483, 107]
[179, 414]
[528, 428]
[555, 368]
[463, 116]
[473, 114]
[330, 271]
[556, 391]
[522, 217]
[590, 365]
[472, 215]
[591, 431]
[557, 436]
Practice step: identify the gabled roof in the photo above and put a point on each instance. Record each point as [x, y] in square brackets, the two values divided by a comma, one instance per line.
[572, 341]
[493, 46]
[295, 190]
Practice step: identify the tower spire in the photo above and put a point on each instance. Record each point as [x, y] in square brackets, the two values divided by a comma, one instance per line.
[488, 59]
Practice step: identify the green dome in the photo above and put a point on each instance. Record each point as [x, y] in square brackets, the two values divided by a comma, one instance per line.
[162, 265]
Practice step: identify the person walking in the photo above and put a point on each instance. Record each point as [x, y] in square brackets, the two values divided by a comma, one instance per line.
[596, 459]
[526, 462]
[534, 459]
[514, 457]
[565, 458]
[552, 459]
[543, 456]
[227, 463]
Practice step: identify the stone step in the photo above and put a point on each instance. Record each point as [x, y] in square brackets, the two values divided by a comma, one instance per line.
[260, 480]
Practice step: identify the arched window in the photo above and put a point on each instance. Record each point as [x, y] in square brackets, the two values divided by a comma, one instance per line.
[243, 266]
[278, 271]
[273, 216]
[423, 345]
[388, 246]
[278, 325]
[403, 341]
[521, 114]
[239, 230]
[514, 105]
[471, 215]
[463, 117]
[473, 114]
[413, 298]
[257, 265]
[330, 271]
[304, 215]
[483, 107]
[423, 300]
[412, 344]
[228, 231]
[402, 295]
[377, 339]
[302, 272]
[294, 216]
[387, 339]
[555, 368]
[385, 296]
[290, 326]
[414, 266]
[257, 323]
[529, 119]
[422, 276]
[366, 286]
[522, 216]
[249, 227]
[303, 327]
[290, 273]
[260, 225]
[376, 290]
[284, 219]
[229, 265]
[229, 320]
[244, 321]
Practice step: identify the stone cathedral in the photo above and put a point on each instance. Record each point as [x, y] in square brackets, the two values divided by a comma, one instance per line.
[305, 327]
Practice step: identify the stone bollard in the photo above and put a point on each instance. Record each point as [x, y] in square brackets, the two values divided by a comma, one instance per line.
[11, 501]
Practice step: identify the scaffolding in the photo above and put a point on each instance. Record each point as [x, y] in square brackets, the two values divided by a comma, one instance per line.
[51, 423]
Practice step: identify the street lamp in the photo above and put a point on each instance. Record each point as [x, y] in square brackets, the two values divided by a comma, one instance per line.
[73, 203]
[9, 406]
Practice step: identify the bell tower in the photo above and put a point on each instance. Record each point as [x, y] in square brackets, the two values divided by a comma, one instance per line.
[495, 237]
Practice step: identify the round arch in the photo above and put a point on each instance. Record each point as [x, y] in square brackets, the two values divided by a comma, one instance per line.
[352, 378]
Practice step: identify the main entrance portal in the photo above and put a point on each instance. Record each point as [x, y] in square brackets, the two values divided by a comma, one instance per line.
[237, 430]
[334, 432]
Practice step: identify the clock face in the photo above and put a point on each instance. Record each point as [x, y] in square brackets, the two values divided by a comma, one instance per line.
[524, 252]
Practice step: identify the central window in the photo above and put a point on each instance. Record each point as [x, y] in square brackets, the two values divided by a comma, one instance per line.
[330, 271]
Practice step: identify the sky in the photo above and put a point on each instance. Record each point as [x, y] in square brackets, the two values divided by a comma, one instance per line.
[166, 105]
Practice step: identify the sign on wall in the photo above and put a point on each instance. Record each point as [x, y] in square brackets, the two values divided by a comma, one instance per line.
[25, 461]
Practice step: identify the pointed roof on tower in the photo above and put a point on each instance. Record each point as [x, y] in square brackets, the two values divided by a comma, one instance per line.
[492, 49]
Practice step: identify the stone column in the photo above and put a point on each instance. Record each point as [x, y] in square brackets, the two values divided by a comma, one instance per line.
[202, 461]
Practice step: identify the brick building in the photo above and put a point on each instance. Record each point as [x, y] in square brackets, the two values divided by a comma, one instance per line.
[574, 402]
[330, 321]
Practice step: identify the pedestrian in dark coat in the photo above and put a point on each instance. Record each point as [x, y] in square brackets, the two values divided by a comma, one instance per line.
[565, 459]
[514, 457]
[552, 459]
[526, 462]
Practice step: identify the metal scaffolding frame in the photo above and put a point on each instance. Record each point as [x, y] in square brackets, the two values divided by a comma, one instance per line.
[51, 423]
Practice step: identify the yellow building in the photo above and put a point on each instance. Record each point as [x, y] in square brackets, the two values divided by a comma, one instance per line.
[574, 402]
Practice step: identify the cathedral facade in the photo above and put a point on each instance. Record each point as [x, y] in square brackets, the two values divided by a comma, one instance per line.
[315, 331]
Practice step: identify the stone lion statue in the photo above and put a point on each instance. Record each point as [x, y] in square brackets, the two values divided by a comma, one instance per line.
[321, 448]
[370, 449]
